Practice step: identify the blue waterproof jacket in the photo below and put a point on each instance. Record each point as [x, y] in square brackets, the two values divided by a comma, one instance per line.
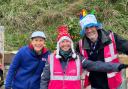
[26, 69]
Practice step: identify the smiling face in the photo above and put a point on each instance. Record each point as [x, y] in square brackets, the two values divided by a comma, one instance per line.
[65, 45]
[92, 34]
[37, 43]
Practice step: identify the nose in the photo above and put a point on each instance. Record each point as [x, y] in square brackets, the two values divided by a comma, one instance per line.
[65, 42]
[88, 30]
[38, 42]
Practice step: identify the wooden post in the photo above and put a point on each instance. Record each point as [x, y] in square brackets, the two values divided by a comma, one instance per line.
[2, 46]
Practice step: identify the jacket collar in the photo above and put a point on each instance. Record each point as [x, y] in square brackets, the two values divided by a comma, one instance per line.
[103, 36]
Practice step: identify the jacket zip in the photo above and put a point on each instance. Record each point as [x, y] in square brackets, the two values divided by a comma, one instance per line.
[64, 72]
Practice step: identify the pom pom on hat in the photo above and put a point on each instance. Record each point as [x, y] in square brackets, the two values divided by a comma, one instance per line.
[62, 35]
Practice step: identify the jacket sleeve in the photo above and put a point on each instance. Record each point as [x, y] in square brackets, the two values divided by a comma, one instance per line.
[14, 66]
[45, 77]
[121, 44]
[100, 66]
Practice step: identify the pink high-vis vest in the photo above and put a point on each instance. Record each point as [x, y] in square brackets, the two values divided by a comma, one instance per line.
[68, 79]
[110, 55]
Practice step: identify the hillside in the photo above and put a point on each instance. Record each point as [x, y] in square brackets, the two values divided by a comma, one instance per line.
[22, 17]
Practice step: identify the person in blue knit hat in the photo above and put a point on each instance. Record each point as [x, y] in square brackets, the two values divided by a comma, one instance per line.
[27, 65]
[64, 67]
[98, 44]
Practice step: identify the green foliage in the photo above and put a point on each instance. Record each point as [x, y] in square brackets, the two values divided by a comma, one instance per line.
[22, 17]
[74, 29]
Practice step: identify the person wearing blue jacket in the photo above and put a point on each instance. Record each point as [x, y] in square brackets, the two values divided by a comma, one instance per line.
[27, 65]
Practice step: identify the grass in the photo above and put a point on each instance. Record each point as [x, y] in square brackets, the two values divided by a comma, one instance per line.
[22, 17]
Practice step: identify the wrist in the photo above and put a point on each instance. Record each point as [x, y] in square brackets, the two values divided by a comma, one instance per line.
[121, 66]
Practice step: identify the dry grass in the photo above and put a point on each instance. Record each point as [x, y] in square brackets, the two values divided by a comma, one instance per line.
[25, 16]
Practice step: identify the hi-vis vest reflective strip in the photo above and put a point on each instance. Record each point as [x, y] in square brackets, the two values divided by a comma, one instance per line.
[61, 77]
[111, 58]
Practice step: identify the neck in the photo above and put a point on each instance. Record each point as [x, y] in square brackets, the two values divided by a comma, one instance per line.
[39, 52]
[65, 54]
[94, 41]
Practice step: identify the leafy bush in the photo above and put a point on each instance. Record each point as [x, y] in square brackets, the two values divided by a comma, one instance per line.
[22, 17]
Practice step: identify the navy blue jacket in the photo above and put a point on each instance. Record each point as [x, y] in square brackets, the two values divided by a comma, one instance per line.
[26, 69]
